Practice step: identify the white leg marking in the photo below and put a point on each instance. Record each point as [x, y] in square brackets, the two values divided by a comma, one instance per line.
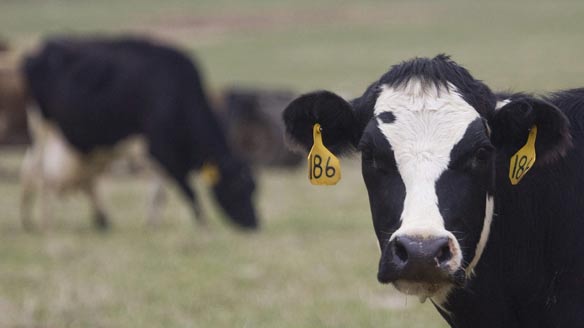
[31, 175]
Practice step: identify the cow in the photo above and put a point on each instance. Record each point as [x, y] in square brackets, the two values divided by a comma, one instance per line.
[94, 98]
[462, 218]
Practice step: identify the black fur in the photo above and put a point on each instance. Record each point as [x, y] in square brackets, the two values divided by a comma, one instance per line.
[511, 124]
[439, 72]
[100, 91]
[384, 184]
[332, 112]
[532, 271]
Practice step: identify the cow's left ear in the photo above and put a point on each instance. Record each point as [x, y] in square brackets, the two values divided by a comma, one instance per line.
[511, 124]
[340, 131]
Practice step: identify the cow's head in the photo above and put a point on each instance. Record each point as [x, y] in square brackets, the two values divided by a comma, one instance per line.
[233, 190]
[431, 139]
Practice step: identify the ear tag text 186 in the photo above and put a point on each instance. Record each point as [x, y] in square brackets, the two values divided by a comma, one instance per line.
[324, 168]
[523, 160]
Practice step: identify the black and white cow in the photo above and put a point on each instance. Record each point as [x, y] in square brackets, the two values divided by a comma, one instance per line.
[95, 96]
[436, 146]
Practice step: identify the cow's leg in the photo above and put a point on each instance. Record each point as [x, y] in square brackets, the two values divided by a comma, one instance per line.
[60, 171]
[187, 190]
[177, 169]
[47, 197]
[29, 175]
[31, 171]
[157, 200]
[100, 219]
[200, 216]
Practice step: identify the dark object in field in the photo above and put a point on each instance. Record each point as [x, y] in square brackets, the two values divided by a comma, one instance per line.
[12, 106]
[12, 99]
[464, 211]
[254, 125]
[98, 97]
[4, 45]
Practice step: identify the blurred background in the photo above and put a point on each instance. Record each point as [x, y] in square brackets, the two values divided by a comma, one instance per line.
[314, 262]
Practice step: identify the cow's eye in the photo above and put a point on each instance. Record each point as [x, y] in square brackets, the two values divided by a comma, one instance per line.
[483, 154]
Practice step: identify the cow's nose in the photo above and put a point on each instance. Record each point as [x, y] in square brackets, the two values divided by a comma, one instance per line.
[416, 259]
[414, 251]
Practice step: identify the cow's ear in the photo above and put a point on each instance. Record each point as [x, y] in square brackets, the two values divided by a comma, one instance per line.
[335, 116]
[511, 125]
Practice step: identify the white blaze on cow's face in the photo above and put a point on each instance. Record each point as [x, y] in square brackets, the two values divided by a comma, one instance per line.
[429, 122]
[426, 123]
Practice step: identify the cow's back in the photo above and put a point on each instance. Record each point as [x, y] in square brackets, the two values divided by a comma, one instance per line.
[112, 89]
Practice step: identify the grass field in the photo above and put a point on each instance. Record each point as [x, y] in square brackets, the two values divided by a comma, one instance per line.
[312, 265]
[314, 262]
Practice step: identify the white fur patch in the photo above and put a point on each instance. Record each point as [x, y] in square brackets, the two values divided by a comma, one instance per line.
[429, 122]
[424, 290]
[61, 166]
[58, 164]
[502, 103]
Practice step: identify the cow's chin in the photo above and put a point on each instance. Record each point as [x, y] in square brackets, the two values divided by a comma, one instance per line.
[423, 289]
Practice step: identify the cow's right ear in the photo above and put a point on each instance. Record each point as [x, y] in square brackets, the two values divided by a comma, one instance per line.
[511, 125]
[335, 116]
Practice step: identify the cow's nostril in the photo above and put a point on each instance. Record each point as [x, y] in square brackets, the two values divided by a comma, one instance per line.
[444, 254]
[401, 251]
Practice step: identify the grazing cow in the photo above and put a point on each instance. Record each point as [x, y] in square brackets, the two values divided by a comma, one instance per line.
[94, 96]
[464, 212]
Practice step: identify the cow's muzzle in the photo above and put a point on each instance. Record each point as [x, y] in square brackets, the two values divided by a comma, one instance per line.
[429, 261]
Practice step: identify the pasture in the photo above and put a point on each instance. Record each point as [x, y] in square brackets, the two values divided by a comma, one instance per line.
[314, 262]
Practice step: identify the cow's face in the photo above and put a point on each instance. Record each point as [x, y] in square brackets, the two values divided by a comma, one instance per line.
[430, 138]
[427, 164]
[234, 192]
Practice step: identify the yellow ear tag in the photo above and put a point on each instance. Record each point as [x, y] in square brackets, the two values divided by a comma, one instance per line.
[210, 174]
[523, 159]
[324, 168]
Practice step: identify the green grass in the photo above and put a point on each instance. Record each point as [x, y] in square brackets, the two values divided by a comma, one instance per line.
[314, 262]
[312, 265]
